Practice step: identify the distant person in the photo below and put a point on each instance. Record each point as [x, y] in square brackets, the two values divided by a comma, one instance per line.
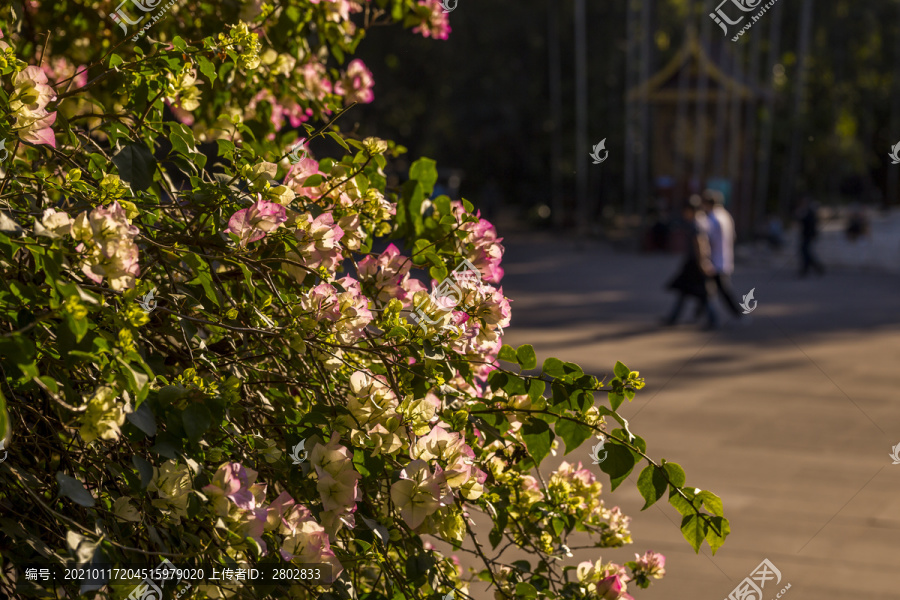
[721, 245]
[807, 216]
[775, 233]
[857, 223]
[695, 277]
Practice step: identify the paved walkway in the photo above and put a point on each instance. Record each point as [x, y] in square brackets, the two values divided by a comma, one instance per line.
[790, 419]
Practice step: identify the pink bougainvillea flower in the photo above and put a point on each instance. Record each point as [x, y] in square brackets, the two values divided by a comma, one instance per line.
[356, 83]
[651, 564]
[389, 273]
[436, 24]
[252, 224]
[299, 173]
[613, 588]
[233, 481]
[27, 103]
[318, 241]
[107, 245]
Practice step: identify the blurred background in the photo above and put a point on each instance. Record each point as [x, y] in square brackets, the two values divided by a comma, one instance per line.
[791, 416]
[806, 101]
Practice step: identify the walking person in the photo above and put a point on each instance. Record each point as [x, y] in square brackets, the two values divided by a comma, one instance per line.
[807, 215]
[694, 278]
[721, 246]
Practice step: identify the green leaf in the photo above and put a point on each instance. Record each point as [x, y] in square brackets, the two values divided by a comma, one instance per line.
[526, 356]
[572, 433]
[716, 539]
[137, 381]
[338, 139]
[693, 528]
[208, 69]
[619, 464]
[425, 172]
[508, 354]
[615, 399]
[144, 468]
[621, 371]
[536, 389]
[314, 180]
[538, 438]
[136, 166]
[712, 503]
[114, 61]
[143, 419]
[675, 473]
[525, 590]
[554, 367]
[652, 485]
[179, 43]
[196, 419]
[74, 489]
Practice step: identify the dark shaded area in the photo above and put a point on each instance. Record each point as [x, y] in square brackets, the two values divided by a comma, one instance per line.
[823, 75]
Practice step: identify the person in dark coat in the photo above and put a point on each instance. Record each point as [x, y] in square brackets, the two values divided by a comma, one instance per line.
[695, 276]
[809, 229]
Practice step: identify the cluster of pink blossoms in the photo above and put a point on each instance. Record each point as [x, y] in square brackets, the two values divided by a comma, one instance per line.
[28, 105]
[487, 252]
[609, 581]
[356, 83]
[338, 484]
[252, 224]
[347, 311]
[107, 242]
[236, 496]
[389, 275]
[436, 24]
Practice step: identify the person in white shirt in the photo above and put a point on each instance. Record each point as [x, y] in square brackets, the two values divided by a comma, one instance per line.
[721, 244]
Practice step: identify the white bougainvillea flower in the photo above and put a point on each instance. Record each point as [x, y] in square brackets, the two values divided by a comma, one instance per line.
[417, 494]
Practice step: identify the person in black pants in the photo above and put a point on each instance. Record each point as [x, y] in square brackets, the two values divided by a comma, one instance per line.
[809, 226]
[694, 278]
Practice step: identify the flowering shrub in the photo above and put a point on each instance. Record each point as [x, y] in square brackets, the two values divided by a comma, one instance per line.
[139, 431]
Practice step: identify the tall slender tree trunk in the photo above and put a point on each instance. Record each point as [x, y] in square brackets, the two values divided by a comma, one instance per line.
[734, 130]
[700, 169]
[747, 216]
[765, 157]
[557, 204]
[644, 144]
[582, 147]
[630, 83]
[681, 111]
[798, 113]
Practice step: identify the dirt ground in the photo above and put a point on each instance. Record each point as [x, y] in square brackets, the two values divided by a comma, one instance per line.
[790, 418]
